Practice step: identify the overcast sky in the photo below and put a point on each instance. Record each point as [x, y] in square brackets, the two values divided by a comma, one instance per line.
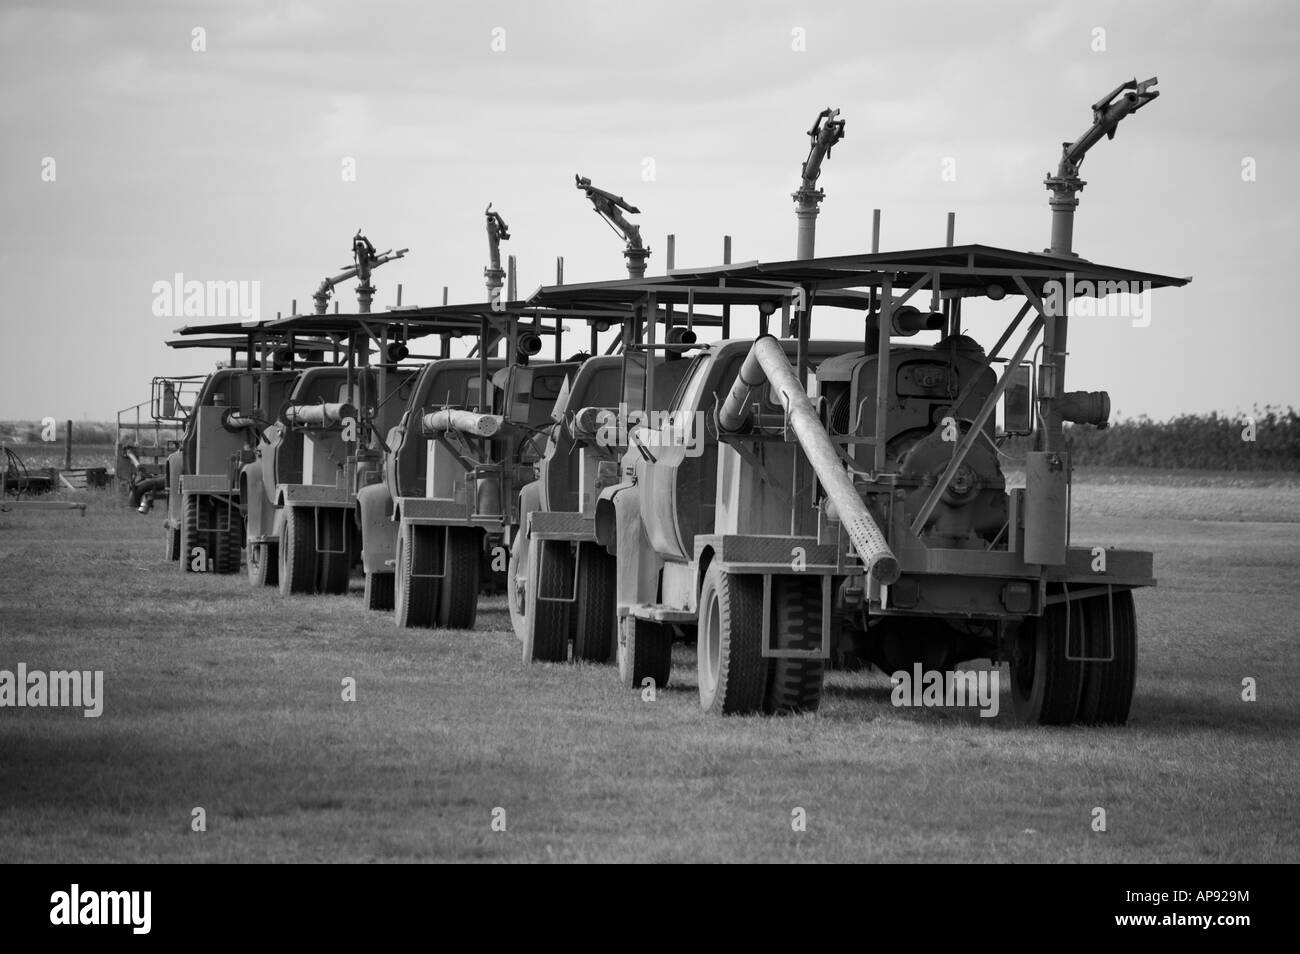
[227, 164]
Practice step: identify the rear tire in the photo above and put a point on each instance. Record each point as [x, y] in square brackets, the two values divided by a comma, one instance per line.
[225, 543]
[546, 627]
[414, 599]
[1107, 692]
[795, 685]
[645, 651]
[729, 660]
[458, 605]
[379, 591]
[1045, 686]
[297, 552]
[334, 568]
[595, 635]
[190, 536]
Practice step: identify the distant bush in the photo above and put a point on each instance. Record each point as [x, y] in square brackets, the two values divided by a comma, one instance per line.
[1189, 441]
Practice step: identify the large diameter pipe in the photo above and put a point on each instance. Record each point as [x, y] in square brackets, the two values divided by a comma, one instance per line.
[589, 421]
[767, 361]
[467, 422]
[234, 421]
[318, 415]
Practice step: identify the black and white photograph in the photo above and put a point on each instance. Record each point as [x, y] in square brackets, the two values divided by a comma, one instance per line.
[571, 432]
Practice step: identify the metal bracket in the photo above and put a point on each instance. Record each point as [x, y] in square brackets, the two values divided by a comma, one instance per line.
[1110, 629]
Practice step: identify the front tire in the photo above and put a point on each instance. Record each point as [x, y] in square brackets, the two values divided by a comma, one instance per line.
[414, 597]
[730, 663]
[297, 552]
[517, 584]
[379, 591]
[263, 564]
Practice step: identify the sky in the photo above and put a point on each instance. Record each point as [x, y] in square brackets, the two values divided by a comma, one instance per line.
[227, 163]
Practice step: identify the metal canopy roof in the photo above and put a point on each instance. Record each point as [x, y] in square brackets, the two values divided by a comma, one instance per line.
[960, 266]
[968, 268]
[231, 341]
[683, 289]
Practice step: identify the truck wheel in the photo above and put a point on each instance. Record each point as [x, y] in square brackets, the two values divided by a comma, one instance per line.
[297, 552]
[414, 598]
[595, 636]
[335, 568]
[550, 574]
[1108, 687]
[732, 670]
[645, 651]
[1045, 686]
[190, 535]
[379, 591]
[458, 605]
[517, 584]
[226, 551]
[263, 564]
[795, 685]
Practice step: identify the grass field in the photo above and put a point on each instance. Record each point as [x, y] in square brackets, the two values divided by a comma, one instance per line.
[229, 699]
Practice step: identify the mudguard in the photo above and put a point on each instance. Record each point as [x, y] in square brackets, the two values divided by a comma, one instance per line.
[258, 515]
[175, 506]
[378, 528]
[620, 531]
[530, 500]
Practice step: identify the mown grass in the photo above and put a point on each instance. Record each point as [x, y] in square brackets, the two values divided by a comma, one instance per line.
[230, 699]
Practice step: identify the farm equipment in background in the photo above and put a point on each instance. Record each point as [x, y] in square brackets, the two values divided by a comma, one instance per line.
[298, 492]
[561, 581]
[143, 445]
[472, 434]
[222, 426]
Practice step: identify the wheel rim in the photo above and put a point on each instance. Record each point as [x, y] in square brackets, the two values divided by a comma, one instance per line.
[622, 654]
[519, 594]
[399, 581]
[711, 650]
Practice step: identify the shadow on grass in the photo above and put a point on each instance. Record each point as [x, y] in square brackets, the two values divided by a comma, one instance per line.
[1180, 712]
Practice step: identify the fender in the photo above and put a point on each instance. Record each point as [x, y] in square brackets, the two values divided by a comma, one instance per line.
[374, 513]
[606, 515]
[252, 497]
[637, 577]
[530, 501]
[175, 506]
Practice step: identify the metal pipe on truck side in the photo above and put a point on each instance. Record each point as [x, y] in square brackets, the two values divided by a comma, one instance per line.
[467, 422]
[318, 414]
[767, 361]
